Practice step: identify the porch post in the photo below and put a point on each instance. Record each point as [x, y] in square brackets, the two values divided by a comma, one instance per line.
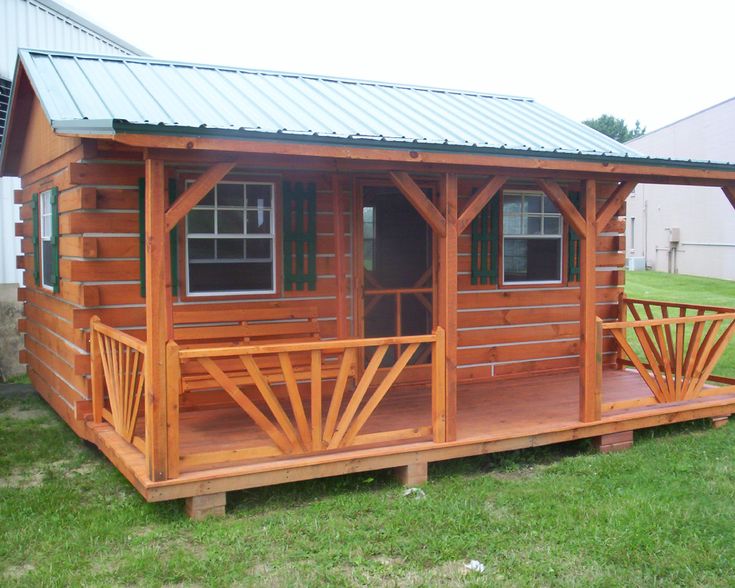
[447, 294]
[590, 395]
[159, 320]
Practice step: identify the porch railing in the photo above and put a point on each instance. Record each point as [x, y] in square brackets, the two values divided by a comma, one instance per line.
[315, 421]
[675, 348]
[118, 378]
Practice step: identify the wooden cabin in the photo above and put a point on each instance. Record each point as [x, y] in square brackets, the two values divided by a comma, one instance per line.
[237, 278]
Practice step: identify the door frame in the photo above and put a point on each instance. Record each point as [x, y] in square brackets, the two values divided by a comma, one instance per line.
[414, 373]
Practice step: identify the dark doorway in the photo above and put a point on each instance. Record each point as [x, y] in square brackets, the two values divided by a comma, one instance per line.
[397, 268]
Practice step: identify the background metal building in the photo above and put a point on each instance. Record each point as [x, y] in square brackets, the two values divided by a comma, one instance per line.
[40, 24]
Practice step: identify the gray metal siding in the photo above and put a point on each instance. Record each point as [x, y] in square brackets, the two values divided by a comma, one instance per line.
[46, 25]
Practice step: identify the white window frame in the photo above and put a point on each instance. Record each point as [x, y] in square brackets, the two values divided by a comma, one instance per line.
[270, 235]
[45, 232]
[542, 214]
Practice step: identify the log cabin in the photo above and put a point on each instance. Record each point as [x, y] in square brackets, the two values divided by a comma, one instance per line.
[238, 278]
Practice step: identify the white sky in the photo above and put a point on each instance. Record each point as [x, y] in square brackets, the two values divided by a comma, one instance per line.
[656, 61]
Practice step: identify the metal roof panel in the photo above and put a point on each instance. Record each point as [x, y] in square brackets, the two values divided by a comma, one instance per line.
[160, 94]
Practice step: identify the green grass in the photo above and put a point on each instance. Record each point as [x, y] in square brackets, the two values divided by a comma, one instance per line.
[660, 514]
[678, 288]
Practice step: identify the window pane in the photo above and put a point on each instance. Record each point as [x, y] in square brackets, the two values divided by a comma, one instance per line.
[512, 204]
[201, 248]
[230, 249]
[230, 277]
[552, 225]
[259, 196]
[46, 228]
[230, 194]
[533, 225]
[258, 249]
[511, 225]
[208, 200]
[533, 203]
[549, 206]
[532, 260]
[201, 221]
[46, 265]
[230, 221]
[259, 222]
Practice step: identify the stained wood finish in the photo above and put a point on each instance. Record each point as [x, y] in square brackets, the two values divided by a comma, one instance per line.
[589, 391]
[287, 425]
[119, 362]
[159, 320]
[198, 190]
[415, 195]
[447, 295]
[680, 350]
[479, 201]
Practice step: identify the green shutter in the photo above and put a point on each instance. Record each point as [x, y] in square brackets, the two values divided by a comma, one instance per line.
[485, 244]
[573, 247]
[35, 220]
[55, 280]
[141, 238]
[299, 236]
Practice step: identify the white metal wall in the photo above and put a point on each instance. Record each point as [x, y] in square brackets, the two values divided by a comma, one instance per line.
[39, 24]
[704, 217]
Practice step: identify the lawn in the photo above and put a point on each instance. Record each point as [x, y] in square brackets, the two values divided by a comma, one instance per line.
[660, 514]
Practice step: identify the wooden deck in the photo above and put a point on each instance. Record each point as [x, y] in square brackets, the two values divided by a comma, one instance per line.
[492, 416]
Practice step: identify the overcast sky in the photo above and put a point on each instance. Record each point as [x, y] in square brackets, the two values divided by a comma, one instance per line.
[656, 61]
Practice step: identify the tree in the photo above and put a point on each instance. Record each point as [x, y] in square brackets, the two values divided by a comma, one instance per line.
[615, 128]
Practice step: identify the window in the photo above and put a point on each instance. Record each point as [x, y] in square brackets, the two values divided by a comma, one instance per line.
[47, 244]
[230, 240]
[532, 238]
[368, 237]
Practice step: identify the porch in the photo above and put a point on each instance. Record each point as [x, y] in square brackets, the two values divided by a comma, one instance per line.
[254, 415]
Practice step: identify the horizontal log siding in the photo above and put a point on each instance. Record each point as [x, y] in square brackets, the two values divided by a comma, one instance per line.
[523, 329]
[99, 268]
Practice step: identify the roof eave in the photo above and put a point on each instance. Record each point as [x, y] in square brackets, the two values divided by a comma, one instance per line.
[124, 127]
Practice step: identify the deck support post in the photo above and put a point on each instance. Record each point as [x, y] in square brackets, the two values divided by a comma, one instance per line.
[159, 320]
[590, 395]
[413, 474]
[207, 505]
[446, 298]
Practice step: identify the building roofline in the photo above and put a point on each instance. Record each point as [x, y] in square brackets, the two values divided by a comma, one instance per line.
[67, 12]
[676, 122]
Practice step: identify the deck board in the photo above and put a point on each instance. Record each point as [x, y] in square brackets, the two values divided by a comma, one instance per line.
[525, 411]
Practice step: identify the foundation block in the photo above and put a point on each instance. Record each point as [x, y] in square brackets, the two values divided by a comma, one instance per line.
[719, 421]
[614, 442]
[208, 505]
[413, 474]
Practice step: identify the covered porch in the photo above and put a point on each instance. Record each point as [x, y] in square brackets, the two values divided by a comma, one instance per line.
[181, 407]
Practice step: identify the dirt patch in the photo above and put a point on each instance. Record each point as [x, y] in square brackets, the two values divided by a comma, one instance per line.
[17, 572]
[21, 480]
[27, 414]
[518, 473]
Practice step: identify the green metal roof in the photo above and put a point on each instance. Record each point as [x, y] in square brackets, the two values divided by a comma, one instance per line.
[90, 94]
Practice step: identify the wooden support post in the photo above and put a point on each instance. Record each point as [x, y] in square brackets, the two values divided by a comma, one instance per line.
[413, 474]
[447, 295]
[614, 442]
[590, 403]
[598, 357]
[339, 254]
[173, 393]
[159, 320]
[98, 386]
[207, 505]
[622, 317]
